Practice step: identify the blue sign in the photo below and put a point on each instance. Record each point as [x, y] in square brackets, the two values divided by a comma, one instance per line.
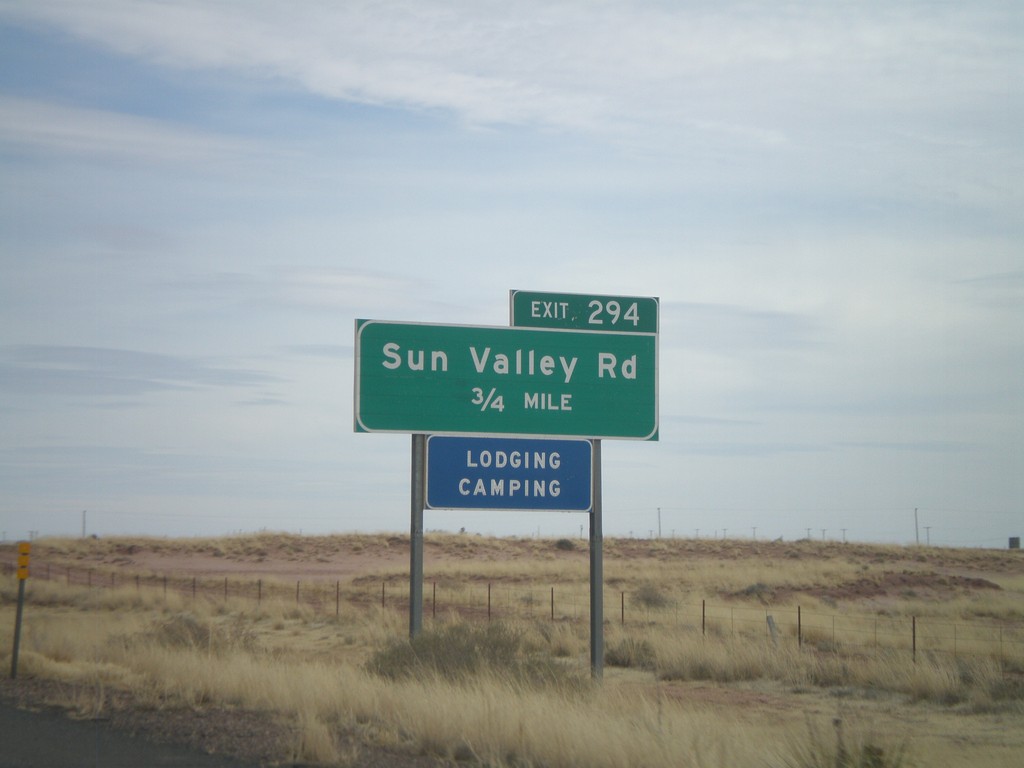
[508, 473]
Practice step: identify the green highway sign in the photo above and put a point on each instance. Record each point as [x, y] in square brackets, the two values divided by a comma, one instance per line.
[488, 380]
[583, 312]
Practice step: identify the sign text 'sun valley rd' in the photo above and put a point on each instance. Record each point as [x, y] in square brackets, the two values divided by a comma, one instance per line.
[459, 379]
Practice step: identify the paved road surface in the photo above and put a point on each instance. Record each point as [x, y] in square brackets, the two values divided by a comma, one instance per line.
[49, 739]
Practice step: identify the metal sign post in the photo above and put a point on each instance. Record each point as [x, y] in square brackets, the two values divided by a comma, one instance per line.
[596, 573]
[419, 443]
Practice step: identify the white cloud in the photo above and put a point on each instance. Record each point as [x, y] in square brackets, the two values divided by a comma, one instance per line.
[52, 128]
[576, 63]
[89, 371]
[855, 98]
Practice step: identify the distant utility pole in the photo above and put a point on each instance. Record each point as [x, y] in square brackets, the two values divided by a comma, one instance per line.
[917, 532]
[659, 522]
[808, 533]
[755, 532]
[83, 523]
[844, 535]
[928, 535]
[823, 533]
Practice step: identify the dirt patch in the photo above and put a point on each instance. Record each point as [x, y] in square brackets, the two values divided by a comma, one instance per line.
[341, 566]
[906, 584]
[732, 697]
[926, 585]
[286, 563]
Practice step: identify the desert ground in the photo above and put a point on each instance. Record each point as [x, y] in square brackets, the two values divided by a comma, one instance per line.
[279, 649]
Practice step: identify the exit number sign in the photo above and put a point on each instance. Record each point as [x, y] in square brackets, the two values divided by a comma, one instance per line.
[584, 312]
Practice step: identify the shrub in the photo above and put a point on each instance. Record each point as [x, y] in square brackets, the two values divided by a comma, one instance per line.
[186, 631]
[566, 545]
[557, 639]
[630, 652]
[758, 591]
[649, 596]
[460, 652]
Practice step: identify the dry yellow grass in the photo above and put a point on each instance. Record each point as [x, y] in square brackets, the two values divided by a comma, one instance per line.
[671, 696]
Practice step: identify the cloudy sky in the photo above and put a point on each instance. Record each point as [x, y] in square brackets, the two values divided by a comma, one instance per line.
[199, 198]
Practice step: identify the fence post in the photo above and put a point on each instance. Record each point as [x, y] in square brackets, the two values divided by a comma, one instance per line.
[622, 598]
[193, 589]
[383, 585]
[703, 617]
[433, 600]
[913, 637]
[297, 591]
[259, 592]
[799, 629]
[552, 603]
[488, 601]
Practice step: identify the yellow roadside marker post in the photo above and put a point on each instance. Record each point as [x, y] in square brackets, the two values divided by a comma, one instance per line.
[24, 548]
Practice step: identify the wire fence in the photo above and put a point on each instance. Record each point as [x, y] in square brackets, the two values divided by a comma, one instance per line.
[848, 633]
